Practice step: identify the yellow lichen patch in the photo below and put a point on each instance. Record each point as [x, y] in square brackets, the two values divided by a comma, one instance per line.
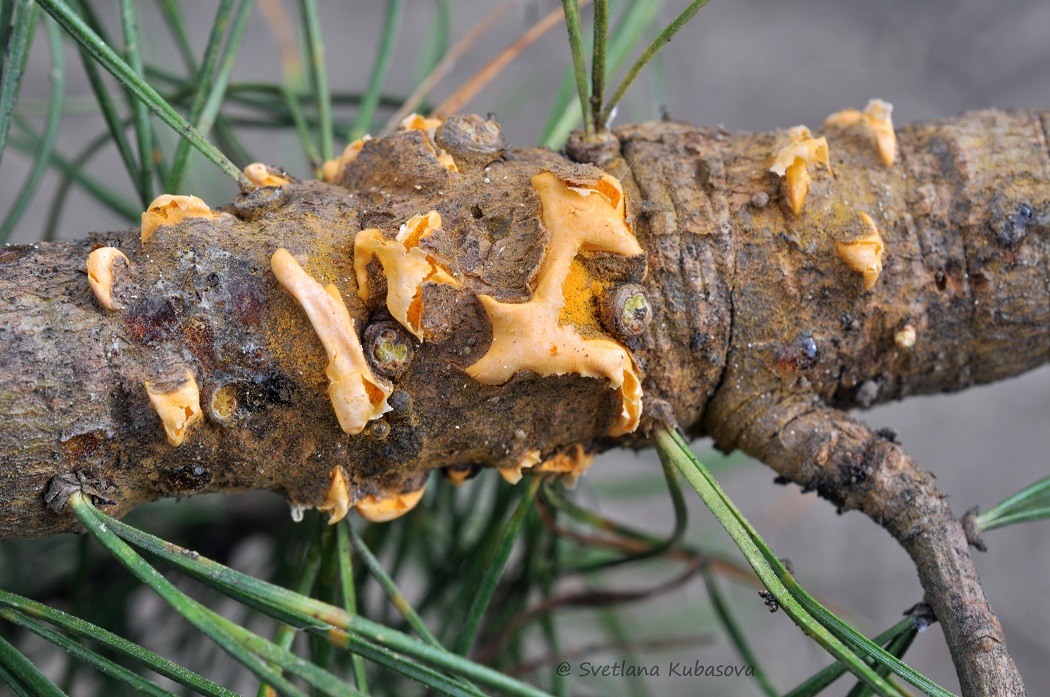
[528, 336]
[792, 160]
[357, 395]
[429, 126]
[380, 510]
[168, 210]
[100, 274]
[406, 267]
[331, 169]
[528, 460]
[264, 175]
[177, 409]
[878, 116]
[569, 465]
[864, 255]
[337, 499]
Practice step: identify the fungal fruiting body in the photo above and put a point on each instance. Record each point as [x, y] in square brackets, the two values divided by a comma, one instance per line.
[568, 465]
[331, 169]
[168, 210]
[178, 409]
[385, 508]
[337, 499]
[100, 274]
[513, 474]
[264, 175]
[878, 116]
[584, 214]
[792, 160]
[457, 476]
[429, 126]
[864, 254]
[405, 265]
[357, 395]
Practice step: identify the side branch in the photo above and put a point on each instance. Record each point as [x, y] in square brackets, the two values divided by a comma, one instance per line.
[822, 448]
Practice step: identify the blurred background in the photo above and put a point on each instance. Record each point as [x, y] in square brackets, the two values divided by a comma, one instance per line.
[747, 65]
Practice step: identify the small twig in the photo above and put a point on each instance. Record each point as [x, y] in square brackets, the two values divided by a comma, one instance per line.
[895, 492]
[588, 599]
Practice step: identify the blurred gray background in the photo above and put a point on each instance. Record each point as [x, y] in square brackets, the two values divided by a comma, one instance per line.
[748, 65]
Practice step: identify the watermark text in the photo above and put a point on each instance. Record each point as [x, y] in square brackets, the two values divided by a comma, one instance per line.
[673, 669]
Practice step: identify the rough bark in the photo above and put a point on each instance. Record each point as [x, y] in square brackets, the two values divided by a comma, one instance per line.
[760, 333]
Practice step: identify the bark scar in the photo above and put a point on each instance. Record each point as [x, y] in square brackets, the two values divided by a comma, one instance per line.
[64, 485]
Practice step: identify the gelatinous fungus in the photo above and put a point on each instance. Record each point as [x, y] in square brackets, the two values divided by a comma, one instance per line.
[568, 465]
[178, 409]
[429, 126]
[331, 169]
[582, 213]
[864, 255]
[265, 175]
[878, 117]
[100, 274]
[791, 161]
[168, 210]
[337, 499]
[406, 267]
[384, 508]
[357, 395]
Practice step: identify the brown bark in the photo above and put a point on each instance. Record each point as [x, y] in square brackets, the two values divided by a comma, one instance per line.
[760, 332]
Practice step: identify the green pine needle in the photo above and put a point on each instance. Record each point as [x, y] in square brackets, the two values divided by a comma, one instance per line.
[665, 36]
[127, 77]
[47, 140]
[1028, 504]
[385, 51]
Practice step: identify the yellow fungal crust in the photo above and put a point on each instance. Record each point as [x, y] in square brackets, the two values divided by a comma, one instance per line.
[168, 210]
[357, 395]
[792, 160]
[864, 255]
[580, 215]
[429, 126]
[405, 265]
[100, 274]
[380, 510]
[878, 116]
[264, 175]
[331, 169]
[337, 500]
[178, 409]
